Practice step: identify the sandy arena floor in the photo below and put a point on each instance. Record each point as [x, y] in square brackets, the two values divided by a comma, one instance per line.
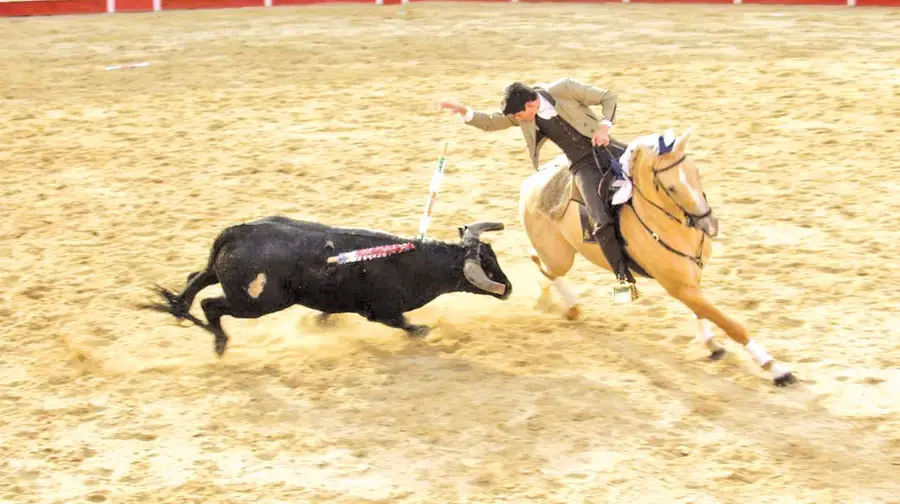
[115, 180]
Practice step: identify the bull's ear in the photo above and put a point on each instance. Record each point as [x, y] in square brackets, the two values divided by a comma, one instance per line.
[462, 232]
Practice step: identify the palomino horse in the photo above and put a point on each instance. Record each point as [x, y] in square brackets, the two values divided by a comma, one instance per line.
[669, 249]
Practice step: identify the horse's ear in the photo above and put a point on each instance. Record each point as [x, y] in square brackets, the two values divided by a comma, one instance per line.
[636, 158]
[681, 143]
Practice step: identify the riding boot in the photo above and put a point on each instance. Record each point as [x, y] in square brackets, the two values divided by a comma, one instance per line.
[612, 249]
[606, 238]
[610, 242]
[594, 188]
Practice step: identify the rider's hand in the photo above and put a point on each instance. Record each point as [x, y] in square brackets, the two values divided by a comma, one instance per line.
[601, 137]
[453, 107]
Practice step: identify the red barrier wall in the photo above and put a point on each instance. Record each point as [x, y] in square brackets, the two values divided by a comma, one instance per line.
[798, 2]
[685, 1]
[51, 7]
[133, 5]
[307, 2]
[209, 4]
[54, 7]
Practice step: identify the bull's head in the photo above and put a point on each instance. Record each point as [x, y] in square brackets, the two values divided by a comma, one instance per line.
[481, 267]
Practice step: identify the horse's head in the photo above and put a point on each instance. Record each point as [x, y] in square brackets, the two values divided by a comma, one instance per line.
[676, 181]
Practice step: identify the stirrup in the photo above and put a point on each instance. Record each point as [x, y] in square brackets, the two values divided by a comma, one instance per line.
[624, 292]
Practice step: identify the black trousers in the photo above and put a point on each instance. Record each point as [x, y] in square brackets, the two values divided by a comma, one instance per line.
[594, 181]
[594, 185]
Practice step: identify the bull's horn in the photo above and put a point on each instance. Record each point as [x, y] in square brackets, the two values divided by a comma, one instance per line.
[473, 231]
[476, 276]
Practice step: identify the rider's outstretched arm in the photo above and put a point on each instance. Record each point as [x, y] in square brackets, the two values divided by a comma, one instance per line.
[486, 121]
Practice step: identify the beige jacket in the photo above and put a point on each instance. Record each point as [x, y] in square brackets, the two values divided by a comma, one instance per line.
[573, 101]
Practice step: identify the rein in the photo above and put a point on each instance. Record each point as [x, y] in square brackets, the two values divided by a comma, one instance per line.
[690, 219]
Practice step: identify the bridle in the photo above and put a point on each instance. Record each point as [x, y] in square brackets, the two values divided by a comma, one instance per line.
[690, 219]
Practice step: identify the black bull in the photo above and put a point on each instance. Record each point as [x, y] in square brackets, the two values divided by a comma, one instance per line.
[273, 263]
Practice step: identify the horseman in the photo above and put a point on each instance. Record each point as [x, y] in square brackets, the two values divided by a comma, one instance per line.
[560, 111]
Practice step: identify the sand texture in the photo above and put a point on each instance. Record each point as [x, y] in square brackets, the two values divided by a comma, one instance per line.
[115, 180]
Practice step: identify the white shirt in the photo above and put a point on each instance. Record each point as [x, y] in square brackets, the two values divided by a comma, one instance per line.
[546, 110]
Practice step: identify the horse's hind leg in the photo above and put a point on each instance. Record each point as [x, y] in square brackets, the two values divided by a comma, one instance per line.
[553, 273]
[553, 256]
[694, 299]
[545, 299]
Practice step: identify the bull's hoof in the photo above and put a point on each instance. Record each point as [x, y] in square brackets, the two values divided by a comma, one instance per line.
[325, 320]
[221, 343]
[717, 354]
[573, 313]
[785, 380]
[418, 331]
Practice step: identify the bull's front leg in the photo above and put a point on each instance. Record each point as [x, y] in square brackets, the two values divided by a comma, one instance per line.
[399, 321]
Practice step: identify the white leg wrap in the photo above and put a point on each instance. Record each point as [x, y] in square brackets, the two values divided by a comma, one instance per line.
[778, 370]
[759, 354]
[705, 335]
[704, 330]
[565, 293]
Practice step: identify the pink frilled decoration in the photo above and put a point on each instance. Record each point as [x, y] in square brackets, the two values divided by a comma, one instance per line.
[370, 253]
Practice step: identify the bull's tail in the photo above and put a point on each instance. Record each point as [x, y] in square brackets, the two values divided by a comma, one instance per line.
[175, 304]
[179, 304]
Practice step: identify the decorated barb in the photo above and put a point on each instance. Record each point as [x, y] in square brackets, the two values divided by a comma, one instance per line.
[371, 253]
[433, 190]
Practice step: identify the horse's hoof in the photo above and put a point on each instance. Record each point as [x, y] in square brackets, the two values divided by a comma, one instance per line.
[543, 306]
[573, 313]
[785, 380]
[717, 354]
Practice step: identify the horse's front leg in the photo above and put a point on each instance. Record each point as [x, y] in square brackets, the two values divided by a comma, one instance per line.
[705, 335]
[693, 298]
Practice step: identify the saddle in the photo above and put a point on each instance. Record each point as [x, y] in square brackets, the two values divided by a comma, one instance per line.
[561, 189]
